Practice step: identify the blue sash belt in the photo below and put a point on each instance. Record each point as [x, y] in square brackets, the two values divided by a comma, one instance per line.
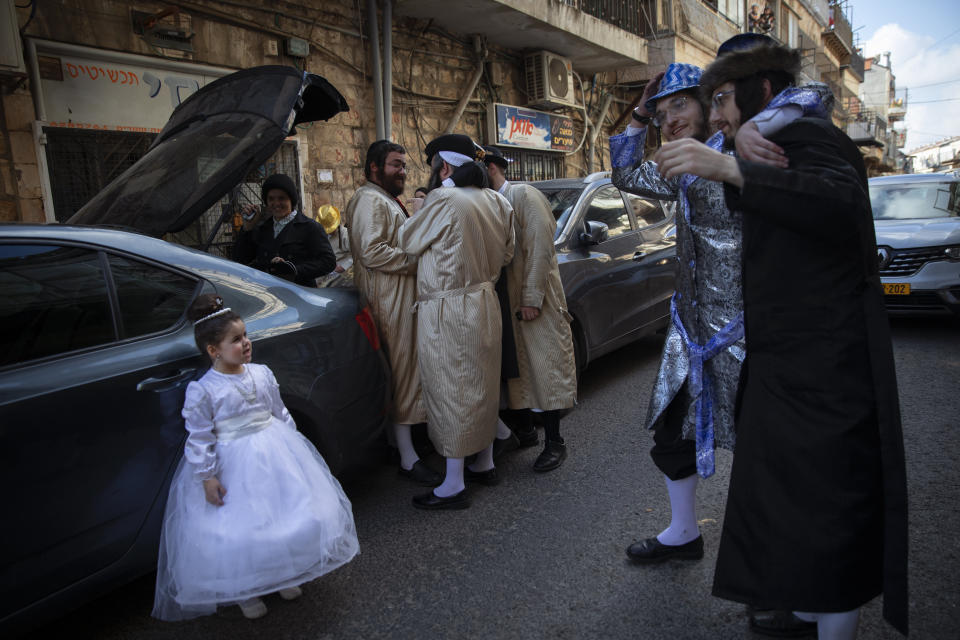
[700, 382]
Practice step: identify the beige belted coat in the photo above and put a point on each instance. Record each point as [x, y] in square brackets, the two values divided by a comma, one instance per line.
[463, 236]
[387, 276]
[548, 374]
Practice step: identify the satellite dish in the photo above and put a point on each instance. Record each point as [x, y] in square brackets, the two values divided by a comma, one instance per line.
[558, 78]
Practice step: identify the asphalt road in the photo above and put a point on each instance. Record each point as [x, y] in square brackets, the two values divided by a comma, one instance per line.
[542, 556]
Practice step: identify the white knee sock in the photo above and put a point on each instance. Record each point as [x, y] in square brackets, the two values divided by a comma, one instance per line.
[408, 455]
[503, 431]
[452, 482]
[683, 511]
[484, 461]
[833, 626]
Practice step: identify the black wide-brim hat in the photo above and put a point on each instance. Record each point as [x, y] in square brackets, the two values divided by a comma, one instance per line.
[284, 183]
[736, 64]
[492, 155]
[456, 142]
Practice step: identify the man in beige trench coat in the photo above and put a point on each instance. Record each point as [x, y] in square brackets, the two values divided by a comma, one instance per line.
[462, 238]
[387, 277]
[541, 323]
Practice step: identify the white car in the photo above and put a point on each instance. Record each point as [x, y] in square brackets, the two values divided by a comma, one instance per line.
[917, 222]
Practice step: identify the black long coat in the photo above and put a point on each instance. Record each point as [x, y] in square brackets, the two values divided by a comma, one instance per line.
[302, 243]
[816, 514]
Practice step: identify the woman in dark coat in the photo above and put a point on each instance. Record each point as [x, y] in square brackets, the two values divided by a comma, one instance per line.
[288, 244]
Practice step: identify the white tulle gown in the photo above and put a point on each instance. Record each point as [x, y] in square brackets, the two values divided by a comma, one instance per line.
[285, 520]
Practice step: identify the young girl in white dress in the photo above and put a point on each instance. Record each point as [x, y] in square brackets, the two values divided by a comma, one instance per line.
[253, 508]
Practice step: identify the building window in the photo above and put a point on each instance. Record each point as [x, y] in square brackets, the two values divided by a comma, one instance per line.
[533, 165]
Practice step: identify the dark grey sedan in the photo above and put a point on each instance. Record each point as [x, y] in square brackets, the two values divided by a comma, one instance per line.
[96, 352]
[617, 257]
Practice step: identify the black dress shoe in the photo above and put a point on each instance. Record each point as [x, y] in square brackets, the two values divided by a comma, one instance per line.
[434, 502]
[652, 550]
[777, 623]
[552, 456]
[421, 474]
[488, 477]
[527, 437]
[503, 445]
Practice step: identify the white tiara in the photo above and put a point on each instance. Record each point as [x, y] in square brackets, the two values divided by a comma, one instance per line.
[212, 315]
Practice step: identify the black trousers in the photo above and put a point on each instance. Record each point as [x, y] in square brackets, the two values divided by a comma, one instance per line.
[673, 455]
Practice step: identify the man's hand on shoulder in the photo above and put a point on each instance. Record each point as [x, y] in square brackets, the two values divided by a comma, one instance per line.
[693, 157]
[752, 146]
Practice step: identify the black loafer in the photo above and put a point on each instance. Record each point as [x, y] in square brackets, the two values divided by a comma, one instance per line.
[552, 456]
[777, 623]
[434, 502]
[421, 474]
[503, 445]
[652, 550]
[527, 437]
[488, 477]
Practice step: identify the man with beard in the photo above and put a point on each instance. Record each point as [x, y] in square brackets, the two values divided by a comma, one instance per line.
[461, 238]
[816, 512]
[387, 277]
[692, 405]
[547, 382]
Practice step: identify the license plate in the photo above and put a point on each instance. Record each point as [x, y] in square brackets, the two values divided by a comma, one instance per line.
[896, 288]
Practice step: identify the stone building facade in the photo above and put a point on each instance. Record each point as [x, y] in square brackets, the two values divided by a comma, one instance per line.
[100, 77]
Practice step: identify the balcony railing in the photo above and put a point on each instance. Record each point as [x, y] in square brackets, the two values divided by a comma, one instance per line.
[656, 17]
[620, 13]
[856, 65]
[839, 35]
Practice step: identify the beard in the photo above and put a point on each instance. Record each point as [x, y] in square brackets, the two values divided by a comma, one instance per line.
[394, 186]
[435, 180]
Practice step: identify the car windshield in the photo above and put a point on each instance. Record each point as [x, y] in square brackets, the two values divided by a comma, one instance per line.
[906, 201]
[562, 202]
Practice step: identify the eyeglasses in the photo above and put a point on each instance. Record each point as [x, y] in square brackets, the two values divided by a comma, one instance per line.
[719, 97]
[674, 107]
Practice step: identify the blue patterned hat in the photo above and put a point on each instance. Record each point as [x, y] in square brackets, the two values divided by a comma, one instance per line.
[678, 77]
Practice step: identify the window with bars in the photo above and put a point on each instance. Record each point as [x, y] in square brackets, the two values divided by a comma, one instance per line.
[532, 165]
[82, 162]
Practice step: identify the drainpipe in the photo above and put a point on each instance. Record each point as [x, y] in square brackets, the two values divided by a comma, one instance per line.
[481, 52]
[387, 67]
[595, 127]
[374, 38]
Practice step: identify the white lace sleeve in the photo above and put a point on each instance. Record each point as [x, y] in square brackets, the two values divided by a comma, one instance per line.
[277, 408]
[201, 447]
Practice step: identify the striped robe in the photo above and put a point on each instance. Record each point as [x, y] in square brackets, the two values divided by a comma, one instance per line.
[387, 278]
[548, 375]
[462, 237]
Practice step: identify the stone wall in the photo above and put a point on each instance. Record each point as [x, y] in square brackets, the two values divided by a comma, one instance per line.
[431, 70]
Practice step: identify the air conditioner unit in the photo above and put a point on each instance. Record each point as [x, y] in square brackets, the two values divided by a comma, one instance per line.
[549, 80]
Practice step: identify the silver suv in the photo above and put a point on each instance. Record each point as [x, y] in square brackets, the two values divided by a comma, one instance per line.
[917, 221]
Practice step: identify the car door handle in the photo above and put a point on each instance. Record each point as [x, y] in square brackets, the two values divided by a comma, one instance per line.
[639, 255]
[165, 384]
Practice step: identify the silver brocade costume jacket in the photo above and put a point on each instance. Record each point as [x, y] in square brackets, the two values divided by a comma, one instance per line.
[704, 347]
[708, 295]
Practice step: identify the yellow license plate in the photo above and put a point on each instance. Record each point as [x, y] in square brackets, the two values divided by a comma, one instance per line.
[896, 288]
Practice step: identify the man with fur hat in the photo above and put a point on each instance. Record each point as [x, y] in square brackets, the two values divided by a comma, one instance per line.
[816, 512]
[387, 277]
[691, 408]
[547, 381]
[461, 239]
[288, 244]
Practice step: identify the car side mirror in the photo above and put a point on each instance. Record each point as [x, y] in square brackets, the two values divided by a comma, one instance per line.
[594, 232]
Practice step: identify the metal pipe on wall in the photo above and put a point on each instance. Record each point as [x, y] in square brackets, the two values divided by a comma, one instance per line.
[374, 37]
[387, 67]
[595, 128]
[481, 52]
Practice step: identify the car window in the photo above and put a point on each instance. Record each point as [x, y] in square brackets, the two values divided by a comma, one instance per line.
[54, 301]
[646, 211]
[905, 201]
[607, 206]
[151, 299]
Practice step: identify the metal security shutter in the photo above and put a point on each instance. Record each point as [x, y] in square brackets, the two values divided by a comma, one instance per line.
[82, 162]
[531, 165]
